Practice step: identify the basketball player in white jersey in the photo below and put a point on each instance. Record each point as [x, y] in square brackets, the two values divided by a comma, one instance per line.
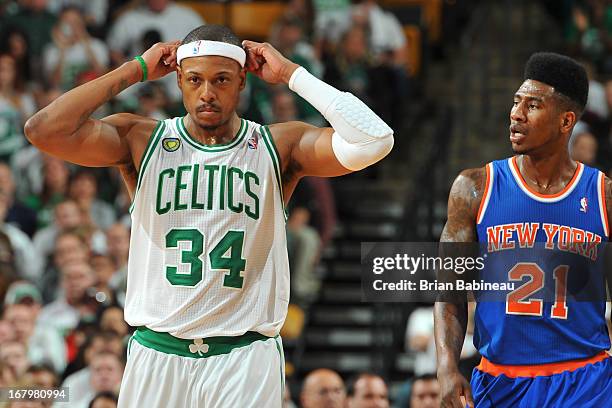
[208, 275]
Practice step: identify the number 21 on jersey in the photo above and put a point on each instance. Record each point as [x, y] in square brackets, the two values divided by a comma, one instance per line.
[520, 302]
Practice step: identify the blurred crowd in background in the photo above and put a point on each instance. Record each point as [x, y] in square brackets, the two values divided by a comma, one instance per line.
[65, 230]
[587, 28]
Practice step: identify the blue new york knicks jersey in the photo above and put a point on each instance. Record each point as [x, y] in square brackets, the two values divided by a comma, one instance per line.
[539, 321]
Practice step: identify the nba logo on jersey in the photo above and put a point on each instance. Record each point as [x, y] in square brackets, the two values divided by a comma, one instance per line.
[584, 204]
[252, 143]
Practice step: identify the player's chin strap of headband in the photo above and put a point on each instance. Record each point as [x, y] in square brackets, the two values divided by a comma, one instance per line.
[204, 47]
[360, 137]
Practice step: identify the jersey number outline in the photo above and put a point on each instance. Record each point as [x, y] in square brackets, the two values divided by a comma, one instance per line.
[516, 303]
[232, 241]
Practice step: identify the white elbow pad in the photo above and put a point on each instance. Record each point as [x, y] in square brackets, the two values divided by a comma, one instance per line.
[358, 156]
[361, 138]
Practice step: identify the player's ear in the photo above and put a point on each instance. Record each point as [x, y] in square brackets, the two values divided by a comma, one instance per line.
[179, 77]
[568, 120]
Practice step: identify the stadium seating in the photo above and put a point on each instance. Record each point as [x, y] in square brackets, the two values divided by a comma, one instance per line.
[248, 20]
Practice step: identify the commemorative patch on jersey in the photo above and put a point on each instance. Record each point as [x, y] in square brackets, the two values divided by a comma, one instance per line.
[171, 144]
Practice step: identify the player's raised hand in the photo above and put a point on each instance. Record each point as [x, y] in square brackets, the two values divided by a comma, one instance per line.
[268, 63]
[454, 386]
[160, 59]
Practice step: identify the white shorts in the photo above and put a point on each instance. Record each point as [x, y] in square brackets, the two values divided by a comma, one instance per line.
[217, 376]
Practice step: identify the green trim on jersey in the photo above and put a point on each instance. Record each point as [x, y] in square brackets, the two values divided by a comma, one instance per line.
[269, 142]
[212, 148]
[129, 345]
[281, 359]
[196, 348]
[146, 156]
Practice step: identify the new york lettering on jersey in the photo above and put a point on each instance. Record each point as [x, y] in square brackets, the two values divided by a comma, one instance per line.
[208, 226]
[550, 247]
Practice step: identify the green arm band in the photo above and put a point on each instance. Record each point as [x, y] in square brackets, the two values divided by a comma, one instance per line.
[144, 68]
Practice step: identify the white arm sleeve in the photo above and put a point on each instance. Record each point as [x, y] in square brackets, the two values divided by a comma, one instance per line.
[361, 138]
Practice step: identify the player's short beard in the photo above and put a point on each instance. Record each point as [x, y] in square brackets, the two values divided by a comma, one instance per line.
[212, 128]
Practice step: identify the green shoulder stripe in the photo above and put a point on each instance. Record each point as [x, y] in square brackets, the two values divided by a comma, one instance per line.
[146, 156]
[276, 161]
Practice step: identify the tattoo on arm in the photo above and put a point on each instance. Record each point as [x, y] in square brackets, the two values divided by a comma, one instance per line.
[463, 202]
[450, 322]
[450, 315]
[116, 89]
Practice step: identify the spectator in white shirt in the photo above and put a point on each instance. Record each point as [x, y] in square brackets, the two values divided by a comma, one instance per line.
[27, 260]
[386, 34]
[68, 217]
[171, 20]
[127, 35]
[77, 374]
[118, 244]
[94, 11]
[44, 344]
[83, 190]
[106, 370]
[420, 340]
[73, 51]
[65, 312]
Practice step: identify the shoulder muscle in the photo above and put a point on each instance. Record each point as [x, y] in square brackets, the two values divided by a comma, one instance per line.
[463, 203]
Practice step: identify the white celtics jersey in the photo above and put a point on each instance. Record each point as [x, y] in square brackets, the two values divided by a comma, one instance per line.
[208, 251]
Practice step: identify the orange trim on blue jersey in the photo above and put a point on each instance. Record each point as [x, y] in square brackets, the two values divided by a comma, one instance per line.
[532, 191]
[514, 371]
[604, 207]
[485, 197]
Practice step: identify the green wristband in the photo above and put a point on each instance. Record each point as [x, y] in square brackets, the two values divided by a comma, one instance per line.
[144, 67]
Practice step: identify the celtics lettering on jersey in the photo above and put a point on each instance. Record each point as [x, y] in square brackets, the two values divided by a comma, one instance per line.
[207, 187]
[208, 252]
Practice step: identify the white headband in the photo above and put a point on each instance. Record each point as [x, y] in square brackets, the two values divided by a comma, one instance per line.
[203, 47]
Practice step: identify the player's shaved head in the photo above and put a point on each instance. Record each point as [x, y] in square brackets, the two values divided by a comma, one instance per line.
[212, 32]
[323, 388]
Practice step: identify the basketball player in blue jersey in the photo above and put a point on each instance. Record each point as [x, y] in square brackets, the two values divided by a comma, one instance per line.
[208, 274]
[535, 352]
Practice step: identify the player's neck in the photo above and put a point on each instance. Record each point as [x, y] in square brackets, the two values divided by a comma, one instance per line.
[547, 173]
[221, 134]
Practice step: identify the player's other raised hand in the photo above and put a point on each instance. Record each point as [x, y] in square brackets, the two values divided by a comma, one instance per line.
[160, 59]
[268, 63]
